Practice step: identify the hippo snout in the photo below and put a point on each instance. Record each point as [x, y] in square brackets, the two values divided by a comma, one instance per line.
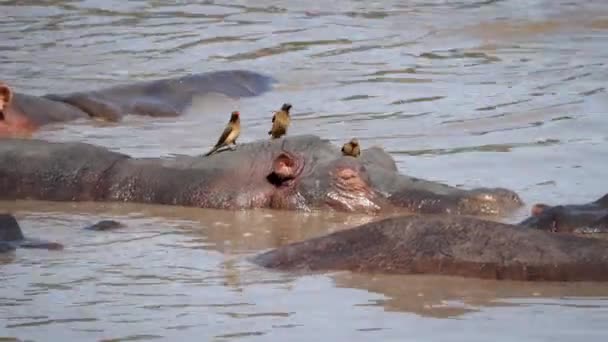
[490, 201]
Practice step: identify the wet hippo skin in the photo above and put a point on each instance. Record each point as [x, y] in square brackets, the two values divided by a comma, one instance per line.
[11, 236]
[448, 245]
[296, 173]
[22, 113]
[570, 218]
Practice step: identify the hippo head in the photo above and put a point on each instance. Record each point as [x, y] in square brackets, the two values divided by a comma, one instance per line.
[308, 172]
[305, 172]
[296, 172]
[569, 218]
[340, 183]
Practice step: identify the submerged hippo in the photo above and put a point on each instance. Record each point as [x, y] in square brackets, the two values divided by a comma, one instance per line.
[105, 225]
[448, 245]
[298, 173]
[11, 236]
[21, 113]
[584, 218]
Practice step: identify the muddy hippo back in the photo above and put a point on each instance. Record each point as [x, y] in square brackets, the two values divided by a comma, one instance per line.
[31, 170]
[448, 245]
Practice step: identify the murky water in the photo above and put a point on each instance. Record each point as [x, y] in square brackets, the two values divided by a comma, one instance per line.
[498, 93]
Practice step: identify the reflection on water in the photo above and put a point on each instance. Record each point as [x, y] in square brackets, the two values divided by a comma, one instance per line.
[450, 297]
[183, 272]
[500, 93]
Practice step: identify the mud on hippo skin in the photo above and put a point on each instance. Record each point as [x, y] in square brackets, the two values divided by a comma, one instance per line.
[297, 172]
[11, 237]
[571, 218]
[447, 245]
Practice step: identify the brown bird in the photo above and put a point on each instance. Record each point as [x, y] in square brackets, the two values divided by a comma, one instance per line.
[351, 148]
[230, 134]
[280, 122]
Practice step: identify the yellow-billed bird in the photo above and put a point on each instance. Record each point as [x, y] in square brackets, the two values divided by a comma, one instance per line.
[351, 148]
[230, 134]
[280, 122]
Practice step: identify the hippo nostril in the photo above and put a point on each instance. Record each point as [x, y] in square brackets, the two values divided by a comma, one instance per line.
[1, 115]
[347, 174]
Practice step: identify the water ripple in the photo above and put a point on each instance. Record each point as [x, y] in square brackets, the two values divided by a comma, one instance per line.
[469, 92]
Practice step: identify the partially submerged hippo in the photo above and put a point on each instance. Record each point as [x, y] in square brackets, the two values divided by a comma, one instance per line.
[11, 236]
[584, 218]
[21, 113]
[105, 225]
[298, 173]
[448, 245]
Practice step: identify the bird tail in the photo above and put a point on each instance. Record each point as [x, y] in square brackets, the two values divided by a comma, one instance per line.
[212, 150]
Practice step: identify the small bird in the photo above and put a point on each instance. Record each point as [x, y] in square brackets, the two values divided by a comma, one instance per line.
[280, 122]
[230, 134]
[351, 148]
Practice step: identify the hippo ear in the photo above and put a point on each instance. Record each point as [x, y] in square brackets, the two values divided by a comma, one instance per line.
[538, 209]
[284, 168]
[6, 95]
[602, 201]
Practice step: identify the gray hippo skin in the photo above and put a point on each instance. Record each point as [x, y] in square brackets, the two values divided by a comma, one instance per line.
[21, 113]
[570, 218]
[297, 173]
[11, 237]
[448, 245]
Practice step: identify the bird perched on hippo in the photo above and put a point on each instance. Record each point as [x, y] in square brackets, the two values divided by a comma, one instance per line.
[230, 133]
[280, 122]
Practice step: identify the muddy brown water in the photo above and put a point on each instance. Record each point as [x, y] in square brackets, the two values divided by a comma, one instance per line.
[472, 93]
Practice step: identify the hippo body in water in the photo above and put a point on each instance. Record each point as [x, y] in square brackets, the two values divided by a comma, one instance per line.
[22, 113]
[11, 237]
[570, 218]
[297, 173]
[448, 245]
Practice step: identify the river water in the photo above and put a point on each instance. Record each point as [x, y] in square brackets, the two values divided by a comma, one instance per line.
[472, 93]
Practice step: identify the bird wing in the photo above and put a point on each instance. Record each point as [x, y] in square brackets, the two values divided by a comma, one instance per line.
[224, 135]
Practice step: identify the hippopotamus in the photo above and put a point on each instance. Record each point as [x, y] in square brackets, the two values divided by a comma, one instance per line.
[21, 114]
[105, 225]
[296, 173]
[447, 245]
[11, 236]
[571, 218]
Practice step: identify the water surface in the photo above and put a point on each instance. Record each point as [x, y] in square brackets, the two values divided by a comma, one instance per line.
[472, 93]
